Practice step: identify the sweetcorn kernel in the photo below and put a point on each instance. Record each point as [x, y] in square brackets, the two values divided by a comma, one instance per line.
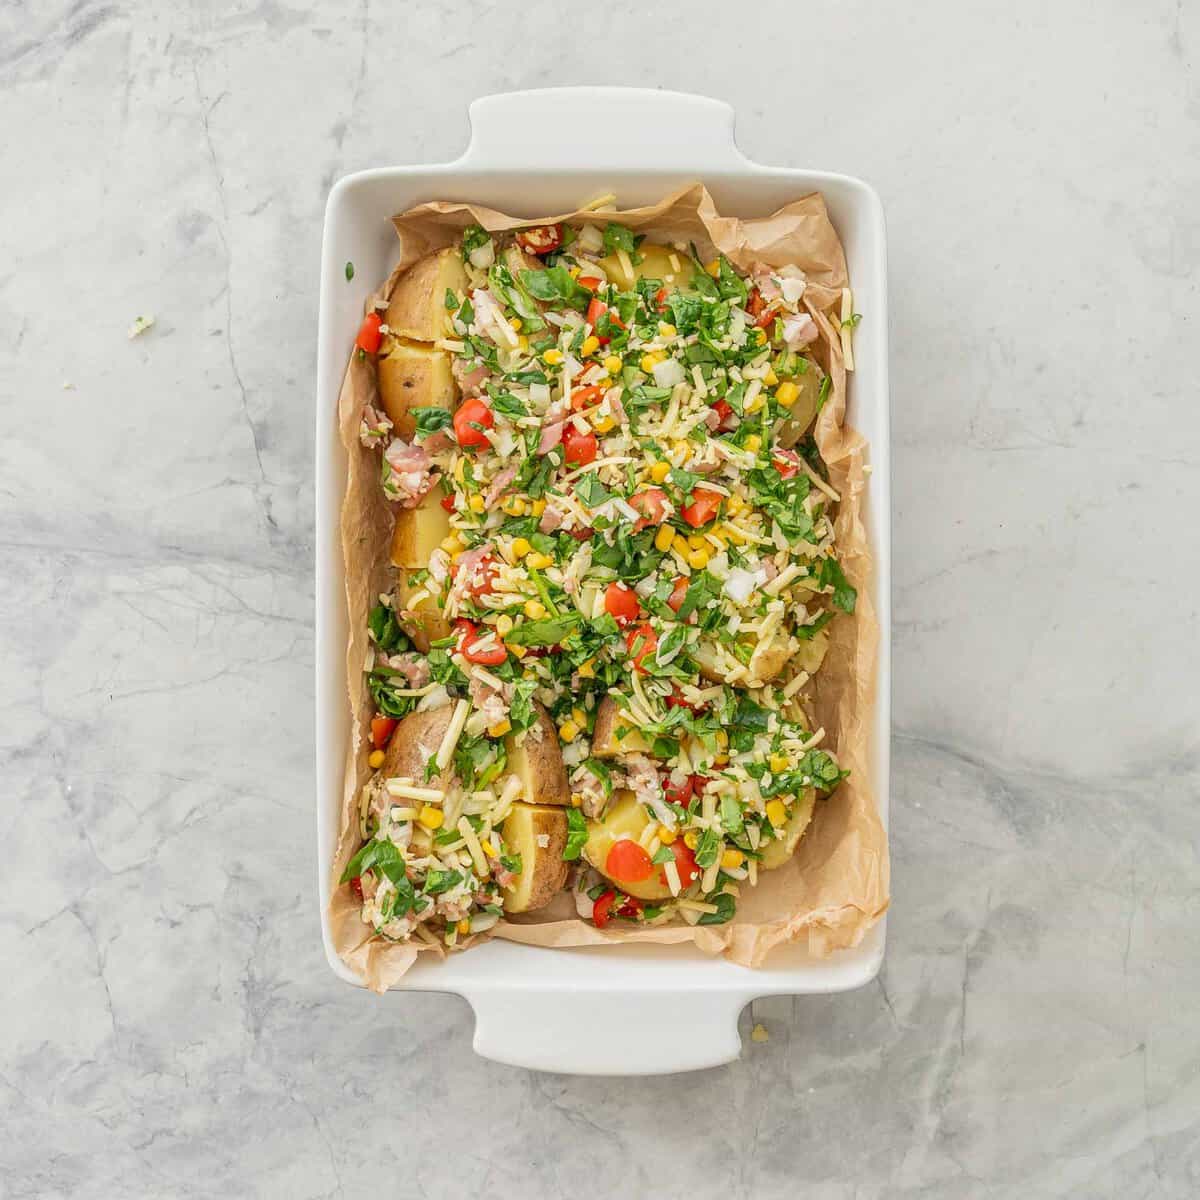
[504, 624]
[732, 859]
[696, 541]
[735, 504]
[523, 344]
[770, 379]
[515, 322]
[517, 651]
[579, 716]
[776, 813]
[576, 799]
[500, 728]
[476, 504]
[663, 538]
[659, 471]
[574, 272]
[666, 836]
[464, 926]
[568, 731]
[535, 610]
[488, 848]
[539, 561]
[602, 424]
[691, 839]
[753, 443]
[375, 759]
[590, 345]
[667, 329]
[515, 506]
[520, 548]
[431, 817]
[553, 356]
[714, 267]
[720, 760]
[452, 544]
[778, 762]
[587, 670]
[756, 404]
[787, 394]
[612, 364]
[650, 361]
[698, 559]
[537, 507]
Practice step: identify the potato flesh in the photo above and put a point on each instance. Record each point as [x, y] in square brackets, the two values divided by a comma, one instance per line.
[776, 853]
[801, 414]
[417, 308]
[419, 531]
[413, 376]
[543, 871]
[537, 761]
[655, 264]
[624, 817]
[609, 721]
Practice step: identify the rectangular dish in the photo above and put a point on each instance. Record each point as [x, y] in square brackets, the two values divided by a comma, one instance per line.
[630, 998]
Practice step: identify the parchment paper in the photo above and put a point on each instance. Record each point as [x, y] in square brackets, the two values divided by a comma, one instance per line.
[836, 886]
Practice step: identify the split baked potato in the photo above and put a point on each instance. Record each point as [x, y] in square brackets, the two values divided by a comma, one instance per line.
[672, 266]
[417, 307]
[776, 853]
[414, 741]
[412, 376]
[535, 757]
[538, 834]
[615, 733]
[624, 817]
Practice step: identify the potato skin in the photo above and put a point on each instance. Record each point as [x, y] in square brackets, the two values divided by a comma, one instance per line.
[543, 871]
[538, 762]
[419, 531]
[623, 816]
[414, 741]
[417, 308]
[605, 743]
[425, 624]
[805, 409]
[776, 853]
[413, 376]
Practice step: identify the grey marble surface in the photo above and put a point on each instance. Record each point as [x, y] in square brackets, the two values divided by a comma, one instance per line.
[168, 1026]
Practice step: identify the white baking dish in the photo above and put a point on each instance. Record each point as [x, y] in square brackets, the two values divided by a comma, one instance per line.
[613, 1010]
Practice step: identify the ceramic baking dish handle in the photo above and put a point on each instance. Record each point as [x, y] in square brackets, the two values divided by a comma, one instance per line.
[607, 1033]
[602, 128]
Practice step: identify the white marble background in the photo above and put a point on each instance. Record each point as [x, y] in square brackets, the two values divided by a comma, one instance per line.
[168, 1026]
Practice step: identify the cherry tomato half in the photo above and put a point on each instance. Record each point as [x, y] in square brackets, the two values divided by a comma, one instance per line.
[579, 448]
[585, 397]
[602, 909]
[685, 863]
[725, 412]
[381, 731]
[676, 598]
[644, 638]
[483, 576]
[468, 646]
[356, 887]
[596, 309]
[622, 603]
[675, 700]
[629, 907]
[628, 862]
[540, 239]
[702, 509]
[447, 502]
[678, 793]
[652, 504]
[660, 299]
[369, 335]
[470, 413]
[588, 281]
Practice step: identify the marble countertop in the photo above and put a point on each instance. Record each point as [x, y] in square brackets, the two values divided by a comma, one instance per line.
[168, 1026]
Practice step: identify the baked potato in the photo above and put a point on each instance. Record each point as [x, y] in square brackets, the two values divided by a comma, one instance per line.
[801, 414]
[423, 623]
[535, 757]
[417, 308]
[413, 376]
[776, 853]
[414, 741]
[765, 663]
[656, 264]
[811, 654]
[419, 531]
[623, 818]
[543, 872]
[614, 732]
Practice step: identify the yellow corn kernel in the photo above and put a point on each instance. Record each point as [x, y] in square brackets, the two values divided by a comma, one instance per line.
[776, 813]
[431, 817]
[680, 544]
[770, 379]
[520, 547]
[574, 272]
[760, 336]
[663, 538]
[787, 394]
[579, 717]
[500, 728]
[696, 541]
[488, 848]
[666, 836]
[590, 345]
[515, 506]
[504, 624]
[375, 759]
[553, 356]
[720, 760]
[659, 471]
[535, 610]
[523, 344]
[587, 670]
[714, 267]
[539, 561]
[667, 329]
[779, 762]
[517, 651]
[613, 364]
[568, 731]
[719, 537]
[681, 446]
[732, 859]
[722, 738]
[576, 799]
[698, 559]
[476, 504]
[753, 443]
[691, 839]
[452, 544]
[735, 505]
[537, 507]
[515, 322]
[602, 424]
[650, 361]
[464, 926]
[756, 403]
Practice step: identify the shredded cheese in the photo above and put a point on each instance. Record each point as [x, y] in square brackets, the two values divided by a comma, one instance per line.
[405, 789]
[453, 732]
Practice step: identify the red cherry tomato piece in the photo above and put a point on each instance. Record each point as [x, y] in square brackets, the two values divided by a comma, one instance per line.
[786, 462]
[675, 599]
[381, 731]
[685, 863]
[644, 638]
[588, 281]
[725, 413]
[602, 909]
[369, 335]
[585, 397]
[540, 239]
[579, 448]
[675, 700]
[628, 862]
[356, 887]
[471, 413]
[678, 793]
[660, 299]
[447, 502]
[630, 907]
[755, 304]
[581, 535]
[596, 309]
[468, 646]
[702, 509]
[622, 603]
[652, 504]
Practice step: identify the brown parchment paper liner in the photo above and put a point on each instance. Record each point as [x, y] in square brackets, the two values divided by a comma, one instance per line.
[836, 886]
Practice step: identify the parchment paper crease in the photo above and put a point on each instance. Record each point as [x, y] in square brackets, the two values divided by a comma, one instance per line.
[836, 886]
